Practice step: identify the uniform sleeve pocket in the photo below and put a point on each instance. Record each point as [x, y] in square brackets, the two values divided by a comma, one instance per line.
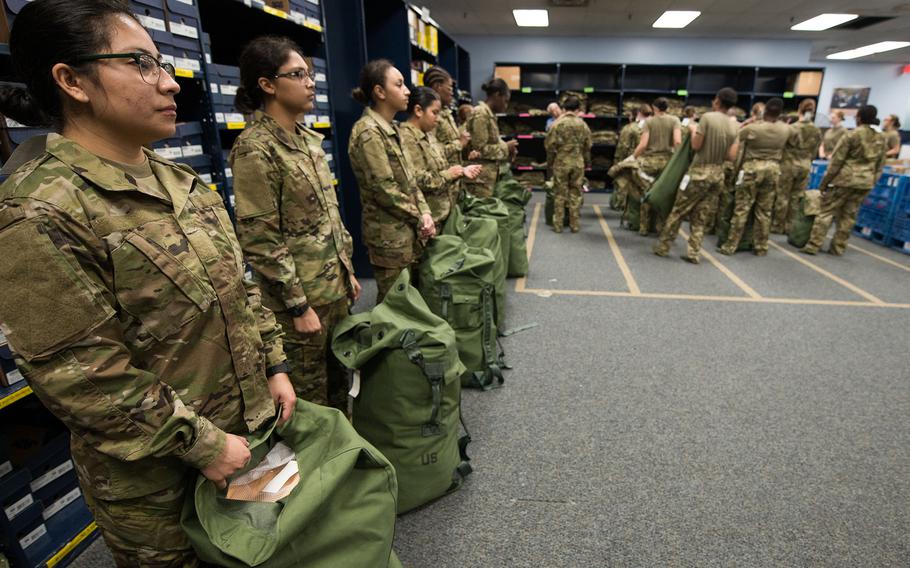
[47, 300]
[155, 287]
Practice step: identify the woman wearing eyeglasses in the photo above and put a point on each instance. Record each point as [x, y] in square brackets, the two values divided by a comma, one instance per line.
[124, 296]
[288, 220]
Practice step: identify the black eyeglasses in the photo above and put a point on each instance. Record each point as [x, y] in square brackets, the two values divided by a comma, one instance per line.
[298, 75]
[149, 67]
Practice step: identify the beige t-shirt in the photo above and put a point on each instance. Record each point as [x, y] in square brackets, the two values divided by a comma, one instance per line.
[719, 134]
[660, 134]
[143, 176]
[765, 140]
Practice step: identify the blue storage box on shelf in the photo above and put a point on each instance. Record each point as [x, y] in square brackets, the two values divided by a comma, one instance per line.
[15, 494]
[322, 105]
[182, 19]
[151, 15]
[26, 539]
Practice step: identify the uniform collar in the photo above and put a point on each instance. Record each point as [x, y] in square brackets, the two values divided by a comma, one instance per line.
[421, 135]
[178, 182]
[282, 135]
[385, 125]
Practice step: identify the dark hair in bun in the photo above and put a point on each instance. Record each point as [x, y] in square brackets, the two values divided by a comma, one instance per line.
[372, 74]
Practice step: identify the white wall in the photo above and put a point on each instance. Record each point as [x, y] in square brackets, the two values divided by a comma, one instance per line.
[890, 91]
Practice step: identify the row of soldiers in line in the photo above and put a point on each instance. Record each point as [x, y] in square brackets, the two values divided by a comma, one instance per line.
[762, 165]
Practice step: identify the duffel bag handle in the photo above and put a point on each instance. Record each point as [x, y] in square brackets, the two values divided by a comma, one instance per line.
[435, 374]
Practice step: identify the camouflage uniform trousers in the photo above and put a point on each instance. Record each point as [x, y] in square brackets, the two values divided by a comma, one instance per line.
[794, 179]
[839, 205]
[695, 202]
[620, 193]
[757, 189]
[652, 166]
[567, 192]
[316, 374]
[385, 277]
[722, 201]
[145, 532]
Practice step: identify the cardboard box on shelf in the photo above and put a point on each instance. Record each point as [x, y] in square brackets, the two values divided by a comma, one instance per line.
[510, 74]
[808, 84]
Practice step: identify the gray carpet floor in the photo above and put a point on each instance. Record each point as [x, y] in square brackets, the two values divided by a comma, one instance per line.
[684, 431]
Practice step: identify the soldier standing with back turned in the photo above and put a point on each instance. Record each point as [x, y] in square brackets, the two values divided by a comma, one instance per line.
[854, 168]
[795, 166]
[661, 134]
[763, 146]
[568, 147]
[713, 141]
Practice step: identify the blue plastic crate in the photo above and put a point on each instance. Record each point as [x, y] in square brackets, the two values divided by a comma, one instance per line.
[817, 172]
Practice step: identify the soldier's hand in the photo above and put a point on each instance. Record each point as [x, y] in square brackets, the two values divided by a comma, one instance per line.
[471, 172]
[308, 323]
[427, 227]
[283, 395]
[356, 289]
[474, 155]
[512, 144]
[456, 171]
[464, 138]
[234, 456]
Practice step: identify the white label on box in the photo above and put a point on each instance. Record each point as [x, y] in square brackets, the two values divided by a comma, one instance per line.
[234, 204]
[32, 537]
[866, 231]
[185, 30]
[228, 173]
[313, 2]
[13, 124]
[314, 21]
[169, 153]
[297, 17]
[207, 178]
[187, 2]
[191, 150]
[151, 23]
[60, 503]
[14, 376]
[324, 118]
[53, 474]
[18, 506]
[907, 246]
[168, 59]
[322, 98]
[219, 117]
[5, 468]
[229, 90]
[213, 87]
[329, 157]
[208, 58]
[233, 117]
[320, 78]
[185, 63]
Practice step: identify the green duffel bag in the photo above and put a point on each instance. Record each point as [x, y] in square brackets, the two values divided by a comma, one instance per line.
[516, 198]
[456, 281]
[409, 404]
[492, 208]
[810, 205]
[725, 215]
[482, 232]
[346, 494]
[662, 194]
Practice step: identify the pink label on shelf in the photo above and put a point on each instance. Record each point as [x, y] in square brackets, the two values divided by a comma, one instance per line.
[525, 136]
[524, 114]
[526, 168]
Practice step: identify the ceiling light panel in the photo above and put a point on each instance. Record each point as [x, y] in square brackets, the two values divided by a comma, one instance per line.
[675, 19]
[824, 22]
[531, 18]
[867, 50]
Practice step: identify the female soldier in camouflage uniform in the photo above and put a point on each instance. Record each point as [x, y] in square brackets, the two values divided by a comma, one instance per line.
[288, 220]
[491, 150]
[450, 138]
[396, 217]
[124, 296]
[435, 178]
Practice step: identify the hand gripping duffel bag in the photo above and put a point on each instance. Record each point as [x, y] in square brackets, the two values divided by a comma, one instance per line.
[409, 404]
[340, 513]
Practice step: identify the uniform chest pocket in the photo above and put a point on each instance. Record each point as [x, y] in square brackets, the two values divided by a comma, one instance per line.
[299, 188]
[158, 278]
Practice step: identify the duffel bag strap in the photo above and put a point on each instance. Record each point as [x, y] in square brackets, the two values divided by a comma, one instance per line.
[445, 294]
[491, 376]
[434, 371]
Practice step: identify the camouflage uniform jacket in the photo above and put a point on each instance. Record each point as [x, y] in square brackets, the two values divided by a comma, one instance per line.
[802, 149]
[429, 169]
[392, 205]
[447, 135]
[131, 318]
[287, 216]
[485, 139]
[629, 137]
[568, 143]
[858, 160]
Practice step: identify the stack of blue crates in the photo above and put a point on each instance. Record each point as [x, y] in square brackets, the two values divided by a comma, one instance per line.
[900, 227]
[879, 213]
[817, 172]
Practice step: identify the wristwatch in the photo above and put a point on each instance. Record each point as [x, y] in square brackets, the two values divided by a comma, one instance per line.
[298, 311]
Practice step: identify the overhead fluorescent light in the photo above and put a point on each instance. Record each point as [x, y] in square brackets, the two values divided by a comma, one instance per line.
[823, 22]
[675, 19]
[879, 47]
[531, 18]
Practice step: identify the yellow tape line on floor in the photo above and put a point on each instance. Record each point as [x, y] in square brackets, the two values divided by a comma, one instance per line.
[617, 254]
[853, 288]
